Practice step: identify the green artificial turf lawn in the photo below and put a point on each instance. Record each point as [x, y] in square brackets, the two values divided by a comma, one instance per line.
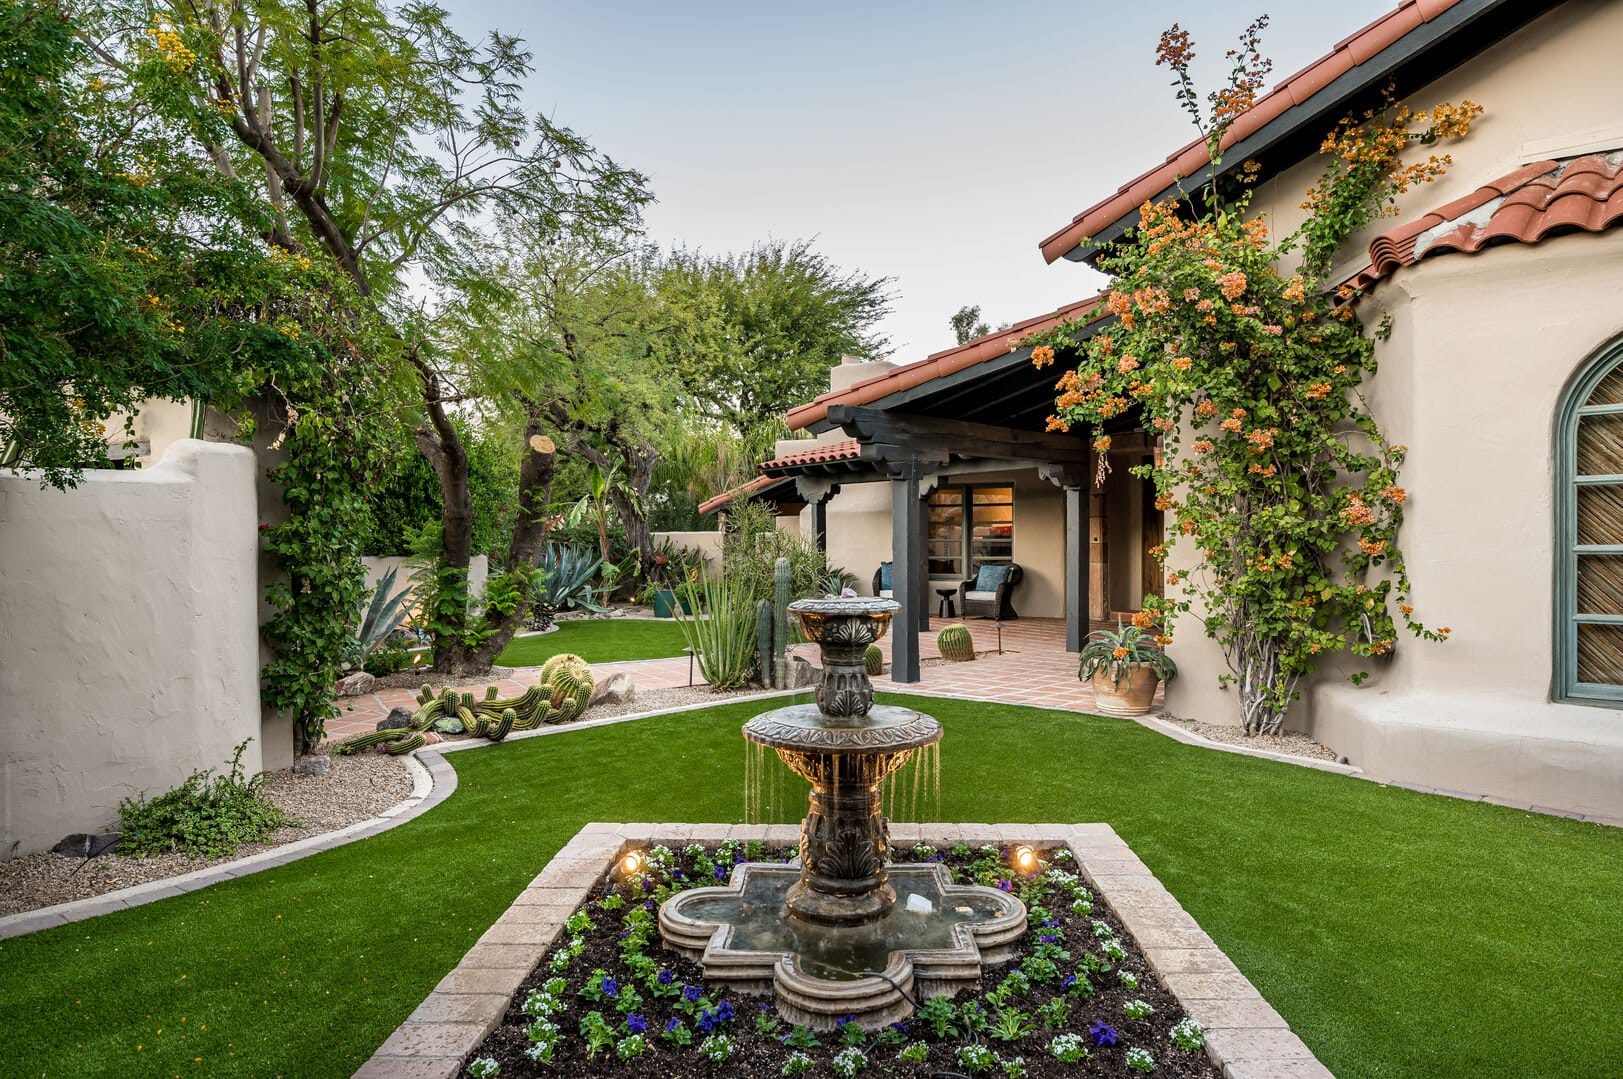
[599, 640]
[1401, 934]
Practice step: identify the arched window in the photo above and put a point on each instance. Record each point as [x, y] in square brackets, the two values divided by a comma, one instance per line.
[1589, 534]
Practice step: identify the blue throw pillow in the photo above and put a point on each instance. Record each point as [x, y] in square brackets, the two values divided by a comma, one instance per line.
[884, 577]
[991, 578]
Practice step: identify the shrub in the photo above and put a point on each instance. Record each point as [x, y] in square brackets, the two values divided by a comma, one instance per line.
[721, 631]
[208, 816]
[392, 657]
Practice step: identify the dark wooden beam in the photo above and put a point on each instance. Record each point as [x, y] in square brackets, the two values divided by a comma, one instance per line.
[906, 551]
[1076, 567]
[872, 426]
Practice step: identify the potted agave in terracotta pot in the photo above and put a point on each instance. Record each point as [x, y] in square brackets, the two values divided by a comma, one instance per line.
[1124, 666]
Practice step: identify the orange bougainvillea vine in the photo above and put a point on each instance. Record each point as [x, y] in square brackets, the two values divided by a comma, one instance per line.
[1233, 346]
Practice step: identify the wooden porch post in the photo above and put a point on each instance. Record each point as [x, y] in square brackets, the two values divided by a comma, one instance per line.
[1098, 519]
[906, 554]
[921, 510]
[1077, 571]
[819, 510]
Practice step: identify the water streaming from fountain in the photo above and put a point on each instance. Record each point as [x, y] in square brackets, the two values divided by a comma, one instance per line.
[816, 932]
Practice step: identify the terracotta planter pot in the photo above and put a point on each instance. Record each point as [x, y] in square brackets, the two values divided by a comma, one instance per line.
[1131, 696]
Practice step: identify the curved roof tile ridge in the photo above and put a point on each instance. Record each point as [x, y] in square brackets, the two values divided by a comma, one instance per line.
[1532, 204]
[1297, 89]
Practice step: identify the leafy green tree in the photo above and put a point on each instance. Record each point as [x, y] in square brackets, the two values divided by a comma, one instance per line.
[571, 322]
[753, 335]
[391, 148]
[110, 264]
[967, 324]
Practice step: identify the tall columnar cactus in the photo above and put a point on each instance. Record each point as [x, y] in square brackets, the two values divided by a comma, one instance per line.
[954, 643]
[780, 623]
[764, 623]
[874, 659]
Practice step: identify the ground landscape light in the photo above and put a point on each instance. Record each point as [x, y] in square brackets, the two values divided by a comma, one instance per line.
[631, 863]
[1025, 859]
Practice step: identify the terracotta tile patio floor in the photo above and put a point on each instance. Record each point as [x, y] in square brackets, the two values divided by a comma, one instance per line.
[1034, 669]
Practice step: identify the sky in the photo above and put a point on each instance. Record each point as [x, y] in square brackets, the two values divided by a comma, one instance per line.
[931, 143]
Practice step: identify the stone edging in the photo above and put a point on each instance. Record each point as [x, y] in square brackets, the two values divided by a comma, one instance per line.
[432, 781]
[1245, 1037]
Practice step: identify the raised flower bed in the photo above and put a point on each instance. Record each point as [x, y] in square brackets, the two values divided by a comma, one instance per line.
[1078, 998]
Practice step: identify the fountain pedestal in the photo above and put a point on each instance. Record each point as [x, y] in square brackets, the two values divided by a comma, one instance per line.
[828, 937]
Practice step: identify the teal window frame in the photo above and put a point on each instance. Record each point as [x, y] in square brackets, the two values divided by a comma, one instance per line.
[1568, 481]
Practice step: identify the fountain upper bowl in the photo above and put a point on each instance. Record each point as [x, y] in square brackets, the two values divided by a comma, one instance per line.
[806, 728]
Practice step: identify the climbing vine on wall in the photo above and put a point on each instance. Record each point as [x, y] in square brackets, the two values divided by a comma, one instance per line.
[1271, 465]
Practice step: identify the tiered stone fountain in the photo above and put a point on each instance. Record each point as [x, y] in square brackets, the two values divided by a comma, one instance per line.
[844, 932]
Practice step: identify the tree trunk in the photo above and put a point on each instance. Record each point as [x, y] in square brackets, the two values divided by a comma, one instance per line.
[443, 447]
[529, 534]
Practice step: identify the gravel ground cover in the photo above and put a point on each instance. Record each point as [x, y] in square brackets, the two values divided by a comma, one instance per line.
[355, 789]
[1291, 742]
[1077, 998]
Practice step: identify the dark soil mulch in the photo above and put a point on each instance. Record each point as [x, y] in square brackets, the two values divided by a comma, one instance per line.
[758, 1037]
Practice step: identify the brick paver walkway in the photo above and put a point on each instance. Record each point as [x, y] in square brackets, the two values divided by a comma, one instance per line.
[1034, 669]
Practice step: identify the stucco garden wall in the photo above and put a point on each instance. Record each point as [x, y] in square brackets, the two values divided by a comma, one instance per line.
[129, 643]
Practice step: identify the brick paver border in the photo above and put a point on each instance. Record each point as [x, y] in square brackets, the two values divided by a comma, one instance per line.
[1245, 1037]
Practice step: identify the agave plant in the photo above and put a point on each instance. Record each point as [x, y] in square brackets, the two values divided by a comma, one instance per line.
[383, 616]
[565, 578]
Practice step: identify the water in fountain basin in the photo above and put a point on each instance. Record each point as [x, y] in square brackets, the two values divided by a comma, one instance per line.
[760, 923]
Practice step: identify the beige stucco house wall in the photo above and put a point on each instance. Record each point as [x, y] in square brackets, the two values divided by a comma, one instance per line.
[128, 656]
[1481, 350]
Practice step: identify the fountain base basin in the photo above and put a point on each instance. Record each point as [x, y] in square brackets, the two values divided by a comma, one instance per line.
[936, 938]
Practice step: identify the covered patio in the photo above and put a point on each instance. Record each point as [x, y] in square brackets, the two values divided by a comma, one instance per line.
[958, 421]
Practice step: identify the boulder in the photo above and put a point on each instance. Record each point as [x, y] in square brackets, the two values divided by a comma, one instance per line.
[803, 672]
[316, 764]
[87, 845]
[617, 688]
[353, 685]
[397, 719]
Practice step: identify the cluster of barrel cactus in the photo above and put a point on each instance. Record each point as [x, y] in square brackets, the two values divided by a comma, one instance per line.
[954, 643]
[564, 691]
[874, 659]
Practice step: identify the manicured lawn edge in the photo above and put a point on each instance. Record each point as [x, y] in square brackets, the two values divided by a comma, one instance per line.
[1399, 934]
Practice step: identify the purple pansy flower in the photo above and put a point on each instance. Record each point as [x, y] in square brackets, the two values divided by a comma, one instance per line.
[1102, 1033]
[1070, 980]
[610, 987]
[690, 993]
[665, 977]
[721, 872]
[636, 1024]
[1005, 885]
[670, 1027]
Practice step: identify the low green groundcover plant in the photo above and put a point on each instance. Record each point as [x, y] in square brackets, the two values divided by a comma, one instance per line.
[1076, 997]
[208, 816]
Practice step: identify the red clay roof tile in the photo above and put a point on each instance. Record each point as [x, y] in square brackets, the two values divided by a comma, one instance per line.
[846, 450]
[1537, 201]
[1295, 90]
[936, 365]
[743, 490]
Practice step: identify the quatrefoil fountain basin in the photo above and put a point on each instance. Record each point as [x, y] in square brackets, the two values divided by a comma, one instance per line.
[843, 932]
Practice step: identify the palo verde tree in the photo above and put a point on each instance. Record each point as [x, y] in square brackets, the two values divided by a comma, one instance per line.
[752, 335]
[387, 144]
[572, 318]
[1271, 463]
[967, 324]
